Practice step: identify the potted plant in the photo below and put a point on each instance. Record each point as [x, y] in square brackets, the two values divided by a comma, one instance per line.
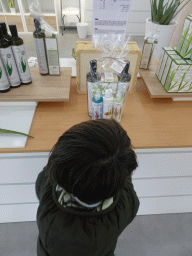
[162, 20]
[11, 6]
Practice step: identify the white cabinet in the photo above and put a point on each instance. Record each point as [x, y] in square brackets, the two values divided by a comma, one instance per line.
[162, 182]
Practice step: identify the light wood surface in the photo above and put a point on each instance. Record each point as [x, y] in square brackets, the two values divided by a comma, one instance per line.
[156, 89]
[43, 88]
[49, 19]
[150, 123]
[15, 19]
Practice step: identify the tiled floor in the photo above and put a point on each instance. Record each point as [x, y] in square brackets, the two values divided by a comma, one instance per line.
[151, 235]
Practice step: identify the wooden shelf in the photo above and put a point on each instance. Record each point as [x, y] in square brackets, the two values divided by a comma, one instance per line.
[42, 89]
[156, 89]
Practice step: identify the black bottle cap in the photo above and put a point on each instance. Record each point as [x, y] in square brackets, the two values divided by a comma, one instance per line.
[37, 24]
[93, 64]
[13, 30]
[4, 28]
[1, 33]
[126, 68]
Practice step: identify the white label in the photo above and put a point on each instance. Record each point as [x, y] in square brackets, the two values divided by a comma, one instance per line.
[117, 111]
[97, 110]
[107, 109]
[146, 56]
[4, 83]
[90, 87]
[52, 55]
[22, 63]
[41, 55]
[118, 66]
[110, 16]
[11, 68]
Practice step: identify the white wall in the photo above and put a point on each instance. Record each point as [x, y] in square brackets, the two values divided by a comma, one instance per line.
[140, 11]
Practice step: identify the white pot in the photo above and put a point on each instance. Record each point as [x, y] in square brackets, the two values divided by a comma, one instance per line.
[12, 10]
[82, 29]
[165, 33]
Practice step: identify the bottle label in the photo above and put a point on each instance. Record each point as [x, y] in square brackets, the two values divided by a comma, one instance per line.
[97, 110]
[90, 87]
[117, 111]
[22, 63]
[41, 55]
[108, 110]
[4, 83]
[10, 66]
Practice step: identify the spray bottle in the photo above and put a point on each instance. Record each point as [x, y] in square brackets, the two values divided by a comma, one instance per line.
[19, 53]
[97, 105]
[108, 104]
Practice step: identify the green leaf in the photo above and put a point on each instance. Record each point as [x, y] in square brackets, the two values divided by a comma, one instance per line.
[14, 132]
[74, 53]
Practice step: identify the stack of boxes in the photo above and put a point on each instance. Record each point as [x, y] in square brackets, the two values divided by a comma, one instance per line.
[175, 64]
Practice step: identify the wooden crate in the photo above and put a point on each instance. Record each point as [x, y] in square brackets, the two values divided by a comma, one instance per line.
[85, 52]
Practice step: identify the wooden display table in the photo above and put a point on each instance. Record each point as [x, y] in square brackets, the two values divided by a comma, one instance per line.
[156, 89]
[160, 131]
[43, 88]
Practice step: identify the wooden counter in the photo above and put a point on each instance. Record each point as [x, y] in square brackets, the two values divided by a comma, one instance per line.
[160, 130]
[150, 123]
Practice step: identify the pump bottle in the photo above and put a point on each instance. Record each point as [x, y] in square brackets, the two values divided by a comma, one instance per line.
[124, 79]
[39, 39]
[108, 104]
[9, 62]
[19, 53]
[92, 80]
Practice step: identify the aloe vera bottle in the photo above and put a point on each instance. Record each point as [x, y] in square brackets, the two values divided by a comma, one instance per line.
[39, 39]
[4, 83]
[20, 56]
[9, 62]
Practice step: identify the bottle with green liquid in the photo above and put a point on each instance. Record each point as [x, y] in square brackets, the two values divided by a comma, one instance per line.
[9, 62]
[39, 39]
[19, 53]
[118, 106]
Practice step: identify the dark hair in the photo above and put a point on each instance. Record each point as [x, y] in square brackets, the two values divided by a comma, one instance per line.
[92, 160]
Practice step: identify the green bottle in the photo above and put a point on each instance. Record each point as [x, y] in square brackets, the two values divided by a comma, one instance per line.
[19, 53]
[9, 62]
[39, 39]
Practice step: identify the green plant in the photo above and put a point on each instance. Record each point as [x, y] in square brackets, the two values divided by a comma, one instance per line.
[9, 131]
[163, 11]
[11, 3]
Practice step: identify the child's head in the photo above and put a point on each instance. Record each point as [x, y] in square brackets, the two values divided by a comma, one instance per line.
[92, 160]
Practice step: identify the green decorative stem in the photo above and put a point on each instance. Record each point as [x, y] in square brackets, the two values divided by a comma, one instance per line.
[14, 132]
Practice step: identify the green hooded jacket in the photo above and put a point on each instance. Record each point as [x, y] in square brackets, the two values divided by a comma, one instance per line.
[73, 232]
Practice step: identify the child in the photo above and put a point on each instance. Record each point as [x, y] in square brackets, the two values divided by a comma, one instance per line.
[86, 193]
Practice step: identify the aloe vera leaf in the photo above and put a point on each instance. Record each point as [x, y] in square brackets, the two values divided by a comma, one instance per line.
[190, 51]
[74, 53]
[0, 72]
[168, 15]
[14, 132]
[181, 8]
